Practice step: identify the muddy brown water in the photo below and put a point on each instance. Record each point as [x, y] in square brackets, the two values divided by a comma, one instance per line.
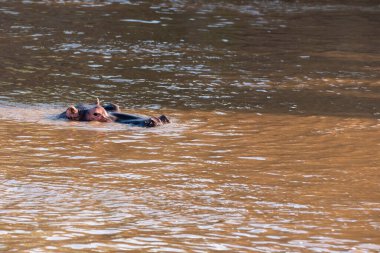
[274, 145]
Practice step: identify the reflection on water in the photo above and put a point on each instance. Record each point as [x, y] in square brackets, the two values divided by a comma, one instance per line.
[274, 145]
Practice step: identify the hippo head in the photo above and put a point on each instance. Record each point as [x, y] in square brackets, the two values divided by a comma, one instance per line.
[96, 113]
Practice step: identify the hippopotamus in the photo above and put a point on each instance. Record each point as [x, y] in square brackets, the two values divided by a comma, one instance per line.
[110, 113]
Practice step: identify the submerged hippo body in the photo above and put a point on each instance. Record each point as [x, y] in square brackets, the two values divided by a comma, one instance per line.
[110, 113]
[138, 120]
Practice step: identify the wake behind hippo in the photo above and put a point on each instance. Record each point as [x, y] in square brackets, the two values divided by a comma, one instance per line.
[110, 113]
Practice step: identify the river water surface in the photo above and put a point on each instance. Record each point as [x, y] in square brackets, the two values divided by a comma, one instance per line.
[274, 145]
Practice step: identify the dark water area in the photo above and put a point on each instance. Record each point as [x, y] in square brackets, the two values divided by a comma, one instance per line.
[275, 57]
[274, 145]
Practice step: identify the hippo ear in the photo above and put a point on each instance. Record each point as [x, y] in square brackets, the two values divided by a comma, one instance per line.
[97, 102]
[72, 112]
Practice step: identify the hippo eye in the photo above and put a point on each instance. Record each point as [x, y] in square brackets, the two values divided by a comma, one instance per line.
[96, 114]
